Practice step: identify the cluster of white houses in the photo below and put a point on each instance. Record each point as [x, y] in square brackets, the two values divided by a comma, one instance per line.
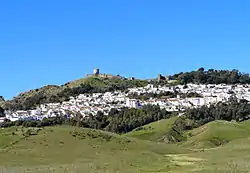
[86, 104]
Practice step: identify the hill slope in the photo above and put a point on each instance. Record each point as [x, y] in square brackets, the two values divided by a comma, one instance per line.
[153, 131]
[216, 133]
[72, 149]
[210, 135]
[233, 157]
[68, 149]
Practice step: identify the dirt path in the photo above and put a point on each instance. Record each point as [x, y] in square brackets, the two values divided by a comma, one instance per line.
[184, 162]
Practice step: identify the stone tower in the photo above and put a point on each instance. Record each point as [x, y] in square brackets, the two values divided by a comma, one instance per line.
[160, 77]
[96, 71]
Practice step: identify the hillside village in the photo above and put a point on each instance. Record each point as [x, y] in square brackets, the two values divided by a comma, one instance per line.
[86, 104]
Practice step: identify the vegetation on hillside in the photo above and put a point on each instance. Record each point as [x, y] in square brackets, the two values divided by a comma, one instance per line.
[234, 109]
[2, 99]
[2, 112]
[147, 96]
[212, 76]
[127, 120]
[163, 95]
[52, 121]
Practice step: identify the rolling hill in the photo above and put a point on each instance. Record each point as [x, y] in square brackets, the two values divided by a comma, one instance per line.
[218, 146]
[210, 135]
[73, 149]
[69, 149]
[216, 133]
[153, 131]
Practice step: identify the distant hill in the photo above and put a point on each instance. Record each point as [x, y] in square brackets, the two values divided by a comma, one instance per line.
[93, 83]
[54, 93]
[212, 76]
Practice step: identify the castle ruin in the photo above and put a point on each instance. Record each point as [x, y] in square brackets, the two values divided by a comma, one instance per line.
[96, 73]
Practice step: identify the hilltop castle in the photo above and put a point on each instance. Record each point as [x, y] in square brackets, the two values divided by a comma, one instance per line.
[96, 73]
[162, 78]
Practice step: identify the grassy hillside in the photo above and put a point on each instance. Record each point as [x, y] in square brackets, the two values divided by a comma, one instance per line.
[210, 135]
[216, 133]
[218, 146]
[233, 157]
[71, 149]
[153, 131]
[68, 149]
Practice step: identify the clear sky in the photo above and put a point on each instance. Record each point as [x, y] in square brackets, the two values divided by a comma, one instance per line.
[55, 41]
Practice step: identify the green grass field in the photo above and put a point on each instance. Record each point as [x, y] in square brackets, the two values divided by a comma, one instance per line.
[65, 149]
[71, 149]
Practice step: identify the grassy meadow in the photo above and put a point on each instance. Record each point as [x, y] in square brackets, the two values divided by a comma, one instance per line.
[218, 146]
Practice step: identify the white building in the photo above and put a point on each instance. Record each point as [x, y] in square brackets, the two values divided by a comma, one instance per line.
[132, 103]
[2, 119]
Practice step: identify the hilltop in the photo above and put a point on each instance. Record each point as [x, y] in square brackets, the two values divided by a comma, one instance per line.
[102, 83]
[111, 102]
[153, 131]
[55, 94]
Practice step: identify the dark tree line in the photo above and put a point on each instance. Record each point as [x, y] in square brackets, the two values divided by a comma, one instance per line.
[176, 131]
[2, 99]
[147, 96]
[190, 94]
[162, 95]
[238, 110]
[212, 76]
[2, 112]
[127, 119]
[52, 121]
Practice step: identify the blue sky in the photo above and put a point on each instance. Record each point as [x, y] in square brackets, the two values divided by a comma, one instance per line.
[52, 42]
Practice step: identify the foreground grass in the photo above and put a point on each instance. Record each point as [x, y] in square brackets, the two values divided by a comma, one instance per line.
[67, 149]
[233, 157]
[218, 146]
[70, 149]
